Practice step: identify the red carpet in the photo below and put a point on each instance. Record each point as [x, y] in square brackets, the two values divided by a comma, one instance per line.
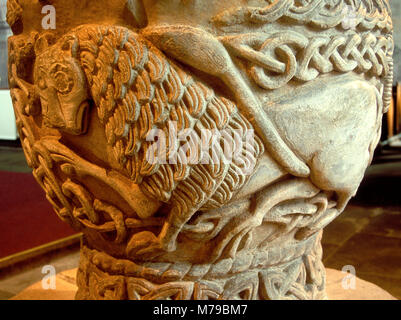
[27, 219]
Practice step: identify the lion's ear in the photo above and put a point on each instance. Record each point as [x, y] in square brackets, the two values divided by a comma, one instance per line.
[43, 42]
[70, 45]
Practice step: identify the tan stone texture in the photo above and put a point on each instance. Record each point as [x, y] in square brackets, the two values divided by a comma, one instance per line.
[266, 113]
[66, 289]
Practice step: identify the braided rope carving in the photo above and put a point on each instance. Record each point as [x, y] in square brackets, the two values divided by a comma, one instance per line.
[366, 14]
[304, 59]
[183, 271]
[101, 276]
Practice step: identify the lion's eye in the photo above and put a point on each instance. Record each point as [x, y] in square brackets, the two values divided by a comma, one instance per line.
[63, 83]
[63, 78]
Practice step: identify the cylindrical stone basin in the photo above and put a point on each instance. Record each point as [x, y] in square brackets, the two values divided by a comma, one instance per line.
[200, 146]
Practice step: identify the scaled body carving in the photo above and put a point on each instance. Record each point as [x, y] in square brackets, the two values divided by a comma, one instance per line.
[127, 129]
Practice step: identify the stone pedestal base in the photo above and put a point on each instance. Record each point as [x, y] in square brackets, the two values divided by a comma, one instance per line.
[66, 289]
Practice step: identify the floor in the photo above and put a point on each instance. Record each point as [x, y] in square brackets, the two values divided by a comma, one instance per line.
[19, 278]
[12, 159]
[366, 236]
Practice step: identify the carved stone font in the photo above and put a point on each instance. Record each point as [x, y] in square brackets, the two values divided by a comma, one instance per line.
[201, 146]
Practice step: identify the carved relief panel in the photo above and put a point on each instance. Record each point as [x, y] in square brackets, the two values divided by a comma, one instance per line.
[200, 146]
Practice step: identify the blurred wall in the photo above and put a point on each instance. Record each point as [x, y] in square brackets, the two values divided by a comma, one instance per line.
[8, 130]
[4, 33]
[396, 10]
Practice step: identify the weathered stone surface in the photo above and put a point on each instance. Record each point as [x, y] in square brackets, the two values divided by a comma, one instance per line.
[66, 289]
[266, 115]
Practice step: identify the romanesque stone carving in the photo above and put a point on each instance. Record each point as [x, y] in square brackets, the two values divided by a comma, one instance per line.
[126, 121]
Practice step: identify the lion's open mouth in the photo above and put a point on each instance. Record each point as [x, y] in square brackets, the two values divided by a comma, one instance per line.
[79, 125]
[83, 117]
